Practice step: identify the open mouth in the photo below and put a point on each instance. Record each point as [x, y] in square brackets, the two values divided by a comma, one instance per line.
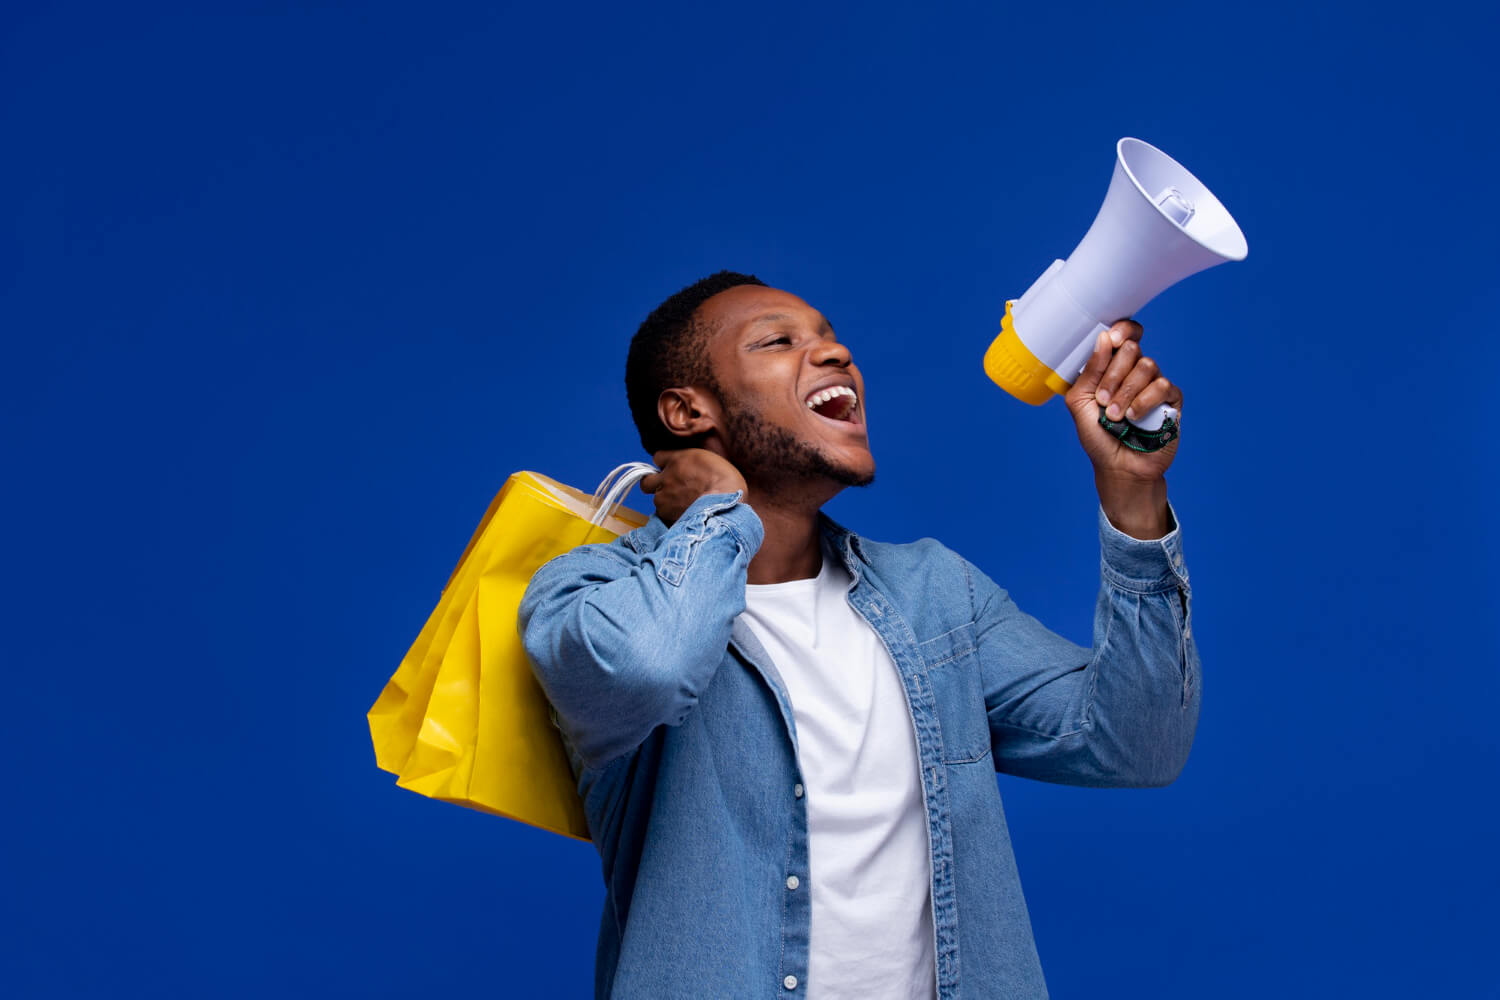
[835, 403]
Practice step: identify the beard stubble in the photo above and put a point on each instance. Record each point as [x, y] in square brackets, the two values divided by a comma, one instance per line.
[766, 453]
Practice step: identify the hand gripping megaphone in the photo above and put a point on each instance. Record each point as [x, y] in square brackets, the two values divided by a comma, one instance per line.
[1158, 224]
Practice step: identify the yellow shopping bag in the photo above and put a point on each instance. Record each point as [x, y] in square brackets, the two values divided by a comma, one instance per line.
[463, 718]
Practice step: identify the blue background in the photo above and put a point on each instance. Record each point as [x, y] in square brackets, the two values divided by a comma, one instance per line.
[289, 289]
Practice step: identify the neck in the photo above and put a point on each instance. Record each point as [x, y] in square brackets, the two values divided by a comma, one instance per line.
[792, 549]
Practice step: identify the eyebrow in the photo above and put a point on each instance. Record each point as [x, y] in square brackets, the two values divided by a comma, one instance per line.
[824, 326]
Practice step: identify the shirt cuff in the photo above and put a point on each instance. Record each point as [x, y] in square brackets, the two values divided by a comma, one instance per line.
[1140, 566]
[724, 510]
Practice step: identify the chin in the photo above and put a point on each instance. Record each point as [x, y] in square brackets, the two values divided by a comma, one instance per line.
[772, 454]
[853, 473]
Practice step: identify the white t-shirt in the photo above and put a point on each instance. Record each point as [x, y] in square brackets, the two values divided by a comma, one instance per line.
[871, 878]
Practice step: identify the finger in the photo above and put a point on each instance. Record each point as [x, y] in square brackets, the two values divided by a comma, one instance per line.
[1141, 375]
[1123, 330]
[1088, 379]
[1126, 355]
[651, 483]
[1159, 391]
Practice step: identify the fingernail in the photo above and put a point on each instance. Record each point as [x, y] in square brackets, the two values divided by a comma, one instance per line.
[1103, 339]
[1130, 413]
[1116, 337]
[1102, 396]
[1113, 412]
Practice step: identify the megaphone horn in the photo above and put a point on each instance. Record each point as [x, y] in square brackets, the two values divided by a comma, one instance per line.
[1158, 224]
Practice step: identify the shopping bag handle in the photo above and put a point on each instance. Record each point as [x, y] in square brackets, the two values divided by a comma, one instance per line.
[611, 492]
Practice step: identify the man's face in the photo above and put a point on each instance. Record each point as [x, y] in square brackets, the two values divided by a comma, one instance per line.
[793, 401]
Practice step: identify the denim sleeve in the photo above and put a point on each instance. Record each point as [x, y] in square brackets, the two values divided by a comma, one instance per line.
[623, 641]
[1121, 714]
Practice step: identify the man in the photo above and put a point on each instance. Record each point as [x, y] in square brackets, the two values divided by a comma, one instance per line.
[785, 734]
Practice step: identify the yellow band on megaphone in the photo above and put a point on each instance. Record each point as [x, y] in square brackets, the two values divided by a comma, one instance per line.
[1015, 369]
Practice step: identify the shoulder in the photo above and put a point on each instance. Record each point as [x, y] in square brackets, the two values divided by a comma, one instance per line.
[925, 566]
[921, 552]
[591, 563]
[935, 590]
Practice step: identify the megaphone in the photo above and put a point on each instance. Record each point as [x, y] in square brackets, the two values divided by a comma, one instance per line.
[1158, 224]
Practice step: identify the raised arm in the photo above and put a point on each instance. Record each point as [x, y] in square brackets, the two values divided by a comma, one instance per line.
[1124, 712]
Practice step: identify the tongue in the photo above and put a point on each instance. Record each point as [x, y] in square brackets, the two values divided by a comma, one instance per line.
[837, 408]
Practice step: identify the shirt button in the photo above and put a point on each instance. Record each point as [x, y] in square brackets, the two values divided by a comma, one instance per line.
[797, 791]
[790, 982]
[793, 881]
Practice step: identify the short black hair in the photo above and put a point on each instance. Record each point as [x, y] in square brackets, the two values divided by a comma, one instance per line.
[670, 350]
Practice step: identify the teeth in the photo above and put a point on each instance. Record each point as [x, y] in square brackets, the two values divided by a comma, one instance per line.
[817, 399]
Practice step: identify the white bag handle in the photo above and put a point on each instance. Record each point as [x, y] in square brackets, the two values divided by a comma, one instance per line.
[611, 493]
[604, 486]
[609, 480]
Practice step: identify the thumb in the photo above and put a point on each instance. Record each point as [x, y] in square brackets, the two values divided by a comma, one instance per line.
[1088, 379]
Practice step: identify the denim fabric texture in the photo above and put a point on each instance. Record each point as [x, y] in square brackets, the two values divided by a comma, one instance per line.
[685, 745]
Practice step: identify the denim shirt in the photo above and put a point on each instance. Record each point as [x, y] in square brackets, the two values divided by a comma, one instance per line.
[685, 745]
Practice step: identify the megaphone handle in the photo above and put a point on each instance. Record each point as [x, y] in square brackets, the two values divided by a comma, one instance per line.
[1135, 436]
[1155, 417]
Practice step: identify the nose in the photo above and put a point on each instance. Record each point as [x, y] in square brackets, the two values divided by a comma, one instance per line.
[831, 352]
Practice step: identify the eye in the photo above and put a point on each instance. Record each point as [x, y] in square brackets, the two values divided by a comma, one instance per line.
[780, 338]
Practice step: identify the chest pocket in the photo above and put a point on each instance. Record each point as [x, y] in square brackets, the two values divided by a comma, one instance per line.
[953, 671]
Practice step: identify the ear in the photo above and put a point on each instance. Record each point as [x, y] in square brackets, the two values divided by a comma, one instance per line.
[688, 412]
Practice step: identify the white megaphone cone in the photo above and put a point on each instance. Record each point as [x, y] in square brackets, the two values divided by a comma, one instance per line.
[1158, 224]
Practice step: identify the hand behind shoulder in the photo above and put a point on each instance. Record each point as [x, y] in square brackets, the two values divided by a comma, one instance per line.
[687, 474]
